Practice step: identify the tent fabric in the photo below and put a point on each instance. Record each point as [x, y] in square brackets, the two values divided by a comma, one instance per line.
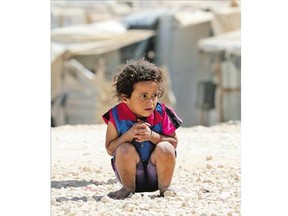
[226, 20]
[147, 19]
[84, 44]
[228, 42]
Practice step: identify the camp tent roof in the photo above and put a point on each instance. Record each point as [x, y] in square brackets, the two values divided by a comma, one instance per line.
[86, 39]
[230, 41]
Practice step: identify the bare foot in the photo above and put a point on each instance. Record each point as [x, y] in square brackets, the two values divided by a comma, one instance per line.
[120, 194]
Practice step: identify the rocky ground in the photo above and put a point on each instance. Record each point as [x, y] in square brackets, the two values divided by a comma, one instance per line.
[207, 177]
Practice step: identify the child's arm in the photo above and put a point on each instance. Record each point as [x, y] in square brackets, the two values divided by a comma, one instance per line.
[146, 134]
[156, 138]
[112, 140]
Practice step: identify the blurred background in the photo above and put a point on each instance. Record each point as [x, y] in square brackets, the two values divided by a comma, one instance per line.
[196, 43]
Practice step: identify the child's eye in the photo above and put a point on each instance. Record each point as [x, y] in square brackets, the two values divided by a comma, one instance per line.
[144, 96]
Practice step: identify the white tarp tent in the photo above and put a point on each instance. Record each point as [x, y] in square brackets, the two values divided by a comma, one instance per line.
[224, 52]
[176, 48]
[77, 93]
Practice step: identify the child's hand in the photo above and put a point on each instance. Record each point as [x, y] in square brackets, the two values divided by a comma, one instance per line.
[141, 131]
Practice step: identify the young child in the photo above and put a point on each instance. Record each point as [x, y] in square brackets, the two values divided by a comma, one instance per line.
[140, 132]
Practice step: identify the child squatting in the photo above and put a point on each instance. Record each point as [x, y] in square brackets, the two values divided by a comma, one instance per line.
[141, 132]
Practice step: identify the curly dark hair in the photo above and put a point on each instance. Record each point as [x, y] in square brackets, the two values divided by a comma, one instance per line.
[136, 71]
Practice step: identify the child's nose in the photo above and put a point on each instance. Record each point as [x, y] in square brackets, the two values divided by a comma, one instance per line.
[151, 100]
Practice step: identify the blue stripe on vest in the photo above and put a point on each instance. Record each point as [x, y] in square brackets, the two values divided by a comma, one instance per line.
[144, 148]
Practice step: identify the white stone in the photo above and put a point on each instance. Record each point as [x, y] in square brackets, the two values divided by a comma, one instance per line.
[67, 211]
[136, 196]
[208, 166]
[209, 157]
[185, 204]
[87, 169]
[105, 199]
[128, 207]
[169, 193]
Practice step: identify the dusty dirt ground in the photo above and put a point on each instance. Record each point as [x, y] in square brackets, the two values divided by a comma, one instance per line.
[207, 177]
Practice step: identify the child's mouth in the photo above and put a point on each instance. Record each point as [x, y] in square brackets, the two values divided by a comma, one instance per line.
[148, 109]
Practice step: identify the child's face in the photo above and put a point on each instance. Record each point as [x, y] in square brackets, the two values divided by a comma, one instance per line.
[143, 99]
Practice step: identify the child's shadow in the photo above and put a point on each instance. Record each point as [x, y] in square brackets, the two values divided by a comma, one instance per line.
[76, 183]
[70, 183]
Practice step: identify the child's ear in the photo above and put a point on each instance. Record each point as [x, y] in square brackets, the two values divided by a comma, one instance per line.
[124, 98]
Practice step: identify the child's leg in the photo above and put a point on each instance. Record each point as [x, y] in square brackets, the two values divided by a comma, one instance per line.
[152, 177]
[164, 158]
[141, 182]
[126, 158]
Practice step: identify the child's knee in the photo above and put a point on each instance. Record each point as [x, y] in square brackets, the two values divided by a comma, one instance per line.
[127, 151]
[165, 149]
[124, 149]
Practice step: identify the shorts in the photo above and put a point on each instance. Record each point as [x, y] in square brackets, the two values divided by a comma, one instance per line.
[146, 176]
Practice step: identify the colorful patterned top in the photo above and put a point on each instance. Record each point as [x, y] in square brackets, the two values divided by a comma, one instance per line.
[163, 120]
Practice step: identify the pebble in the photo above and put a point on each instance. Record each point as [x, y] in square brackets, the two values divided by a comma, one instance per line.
[98, 171]
[208, 166]
[97, 197]
[112, 181]
[207, 181]
[193, 211]
[105, 199]
[87, 169]
[169, 193]
[67, 211]
[204, 190]
[209, 157]
[229, 213]
[185, 204]
[83, 198]
[61, 199]
[128, 207]
[237, 176]
[58, 204]
[136, 196]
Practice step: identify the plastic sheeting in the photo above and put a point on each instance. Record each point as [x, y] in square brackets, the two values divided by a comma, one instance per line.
[224, 62]
[79, 89]
[228, 42]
